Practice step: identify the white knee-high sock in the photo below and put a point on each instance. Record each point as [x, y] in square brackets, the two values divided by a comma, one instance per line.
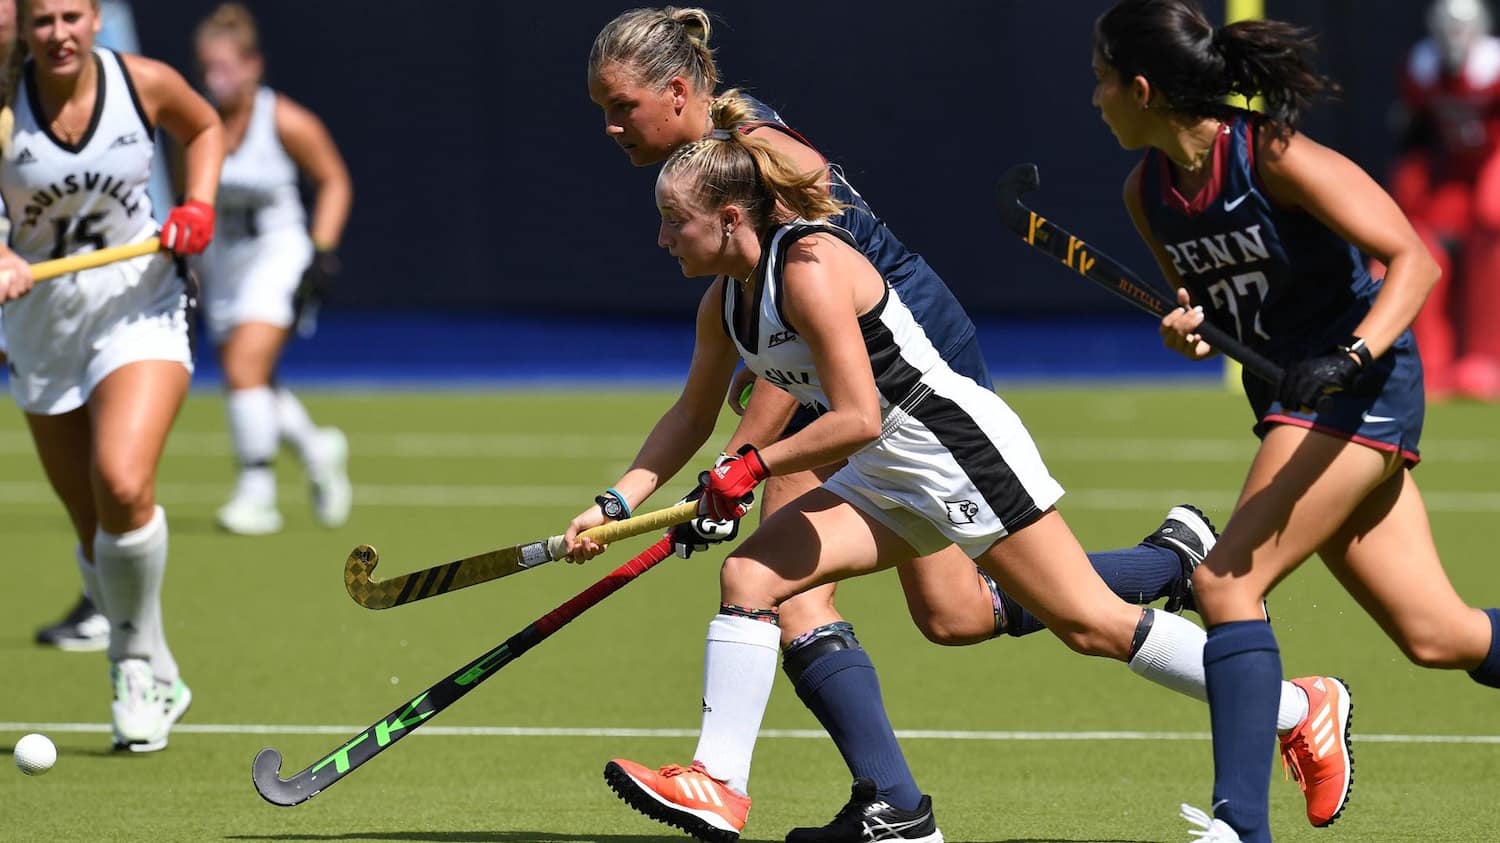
[738, 672]
[90, 576]
[253, 428]
[297, 428]
[1172, 657]
[130, 568]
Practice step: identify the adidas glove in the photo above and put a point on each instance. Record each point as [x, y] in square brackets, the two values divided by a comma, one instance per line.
[704, 530]
[188, 228]
[728, 488]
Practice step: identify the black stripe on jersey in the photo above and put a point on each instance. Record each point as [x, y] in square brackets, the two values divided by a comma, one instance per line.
[954, 428]
[135, 98]
[792, 235]
[46, 123]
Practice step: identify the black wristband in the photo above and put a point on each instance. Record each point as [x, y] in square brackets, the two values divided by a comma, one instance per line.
[1356, 346]
[613, 505]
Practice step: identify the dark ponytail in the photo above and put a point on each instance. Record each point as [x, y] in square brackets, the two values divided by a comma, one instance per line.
[1197, 68]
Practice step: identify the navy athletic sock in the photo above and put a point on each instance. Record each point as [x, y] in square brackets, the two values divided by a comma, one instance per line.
[843, 692]
[1243, 669]
[1137, 574]
[1488, 672]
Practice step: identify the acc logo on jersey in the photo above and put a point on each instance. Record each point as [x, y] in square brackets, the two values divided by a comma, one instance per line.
[961, 512]
[779, 338]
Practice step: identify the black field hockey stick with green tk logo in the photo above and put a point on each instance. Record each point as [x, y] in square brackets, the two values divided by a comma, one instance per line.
[331, 768]
[490, 565]
[1105, 271]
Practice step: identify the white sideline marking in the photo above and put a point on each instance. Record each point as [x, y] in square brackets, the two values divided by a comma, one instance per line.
[556, 446]
[795, 734]
[440, 496]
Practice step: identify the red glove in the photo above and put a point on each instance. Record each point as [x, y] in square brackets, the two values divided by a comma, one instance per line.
[727, 487]
[189, 227]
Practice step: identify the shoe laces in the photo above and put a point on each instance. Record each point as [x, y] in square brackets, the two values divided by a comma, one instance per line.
[674, 770]
[1293, 747]
[134, 682]
[1209, 830]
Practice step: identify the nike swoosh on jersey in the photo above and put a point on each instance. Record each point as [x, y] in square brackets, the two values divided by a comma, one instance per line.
[1375, 419]
[1231, 204]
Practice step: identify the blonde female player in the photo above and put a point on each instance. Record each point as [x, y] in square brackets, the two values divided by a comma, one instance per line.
[100, 360]
[653, 73]
[263, 271]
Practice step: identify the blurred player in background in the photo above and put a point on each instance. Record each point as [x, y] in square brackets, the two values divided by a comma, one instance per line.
[263, 271]
[653, 73]
[1263, 230]
[7, 45]
[101, 360]
[1447, 181]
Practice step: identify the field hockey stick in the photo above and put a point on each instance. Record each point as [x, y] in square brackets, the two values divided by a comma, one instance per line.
[473, 570]
[88, 260]
[333, 767]
[1105, 271]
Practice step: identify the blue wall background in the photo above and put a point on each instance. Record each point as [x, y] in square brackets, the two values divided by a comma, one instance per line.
[484, 183]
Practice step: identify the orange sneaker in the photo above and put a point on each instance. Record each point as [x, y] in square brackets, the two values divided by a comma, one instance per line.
[1318, 753]
[682, 797]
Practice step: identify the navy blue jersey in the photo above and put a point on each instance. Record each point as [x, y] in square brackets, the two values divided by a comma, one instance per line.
[1285, 284]
[942, 318]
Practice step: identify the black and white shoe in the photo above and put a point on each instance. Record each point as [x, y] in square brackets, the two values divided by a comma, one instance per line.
[1187, 532]
[867, 818]
[83, 630]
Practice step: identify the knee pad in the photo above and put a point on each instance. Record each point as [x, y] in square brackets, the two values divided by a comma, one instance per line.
[815, 644]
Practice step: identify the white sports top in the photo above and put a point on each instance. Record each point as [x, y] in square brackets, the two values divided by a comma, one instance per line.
[258, 186]
[63, 199]
[905, 364]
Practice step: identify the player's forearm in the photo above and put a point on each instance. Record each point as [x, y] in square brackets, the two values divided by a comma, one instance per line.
[769, 412]
[203, 156]
[672, 442]
[834, 437]
[1409, 279]
[331, 212]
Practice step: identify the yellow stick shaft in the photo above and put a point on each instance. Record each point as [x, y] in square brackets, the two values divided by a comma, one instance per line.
[88, 260]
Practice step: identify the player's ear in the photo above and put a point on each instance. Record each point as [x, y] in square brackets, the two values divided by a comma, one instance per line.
[731, 217]
[1140, 91]
[678, 88]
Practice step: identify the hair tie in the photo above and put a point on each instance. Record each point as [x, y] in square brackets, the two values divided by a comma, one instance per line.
[721, 134]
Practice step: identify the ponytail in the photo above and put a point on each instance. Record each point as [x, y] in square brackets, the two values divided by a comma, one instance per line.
[731, 168]
[1196, 67]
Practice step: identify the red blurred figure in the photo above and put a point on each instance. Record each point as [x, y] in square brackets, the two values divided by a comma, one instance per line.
[1447, 180]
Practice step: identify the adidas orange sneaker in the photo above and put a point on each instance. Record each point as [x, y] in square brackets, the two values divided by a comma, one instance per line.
[1318, 752]
[682, 797]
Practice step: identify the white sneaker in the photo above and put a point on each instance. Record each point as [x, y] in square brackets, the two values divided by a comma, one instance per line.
[246, 516]
[332, 495]
[137, 715]
[1209, 830]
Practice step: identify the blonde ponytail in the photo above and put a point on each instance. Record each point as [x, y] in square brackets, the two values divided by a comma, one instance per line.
[730, 110]
[730, 168]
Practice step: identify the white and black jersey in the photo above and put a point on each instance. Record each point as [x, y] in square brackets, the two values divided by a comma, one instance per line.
[61, 198]
[953, 463]
[251, 269]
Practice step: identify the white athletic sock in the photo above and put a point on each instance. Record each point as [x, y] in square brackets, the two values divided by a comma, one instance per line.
[253, 427]
[738, 671]
[1293, 708]
[296, 426]
[130, 569]
[90, 576]
[1172, 655]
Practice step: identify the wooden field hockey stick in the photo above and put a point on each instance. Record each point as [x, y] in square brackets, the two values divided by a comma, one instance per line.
[88, 260]
[473, 570]
[266, 770]
[1105, 271]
